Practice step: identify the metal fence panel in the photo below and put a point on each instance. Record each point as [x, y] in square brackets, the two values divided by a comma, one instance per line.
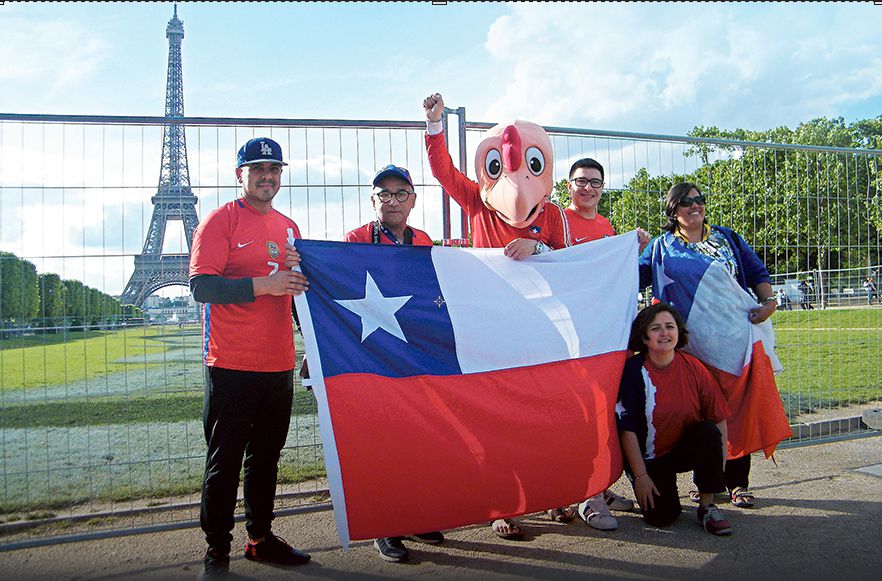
[100, 409]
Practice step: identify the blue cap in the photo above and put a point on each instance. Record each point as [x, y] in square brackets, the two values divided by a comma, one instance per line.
[260, 150]
[393, 170]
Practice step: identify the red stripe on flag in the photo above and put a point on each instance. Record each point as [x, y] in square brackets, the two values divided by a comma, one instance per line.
[758, 420]
[436, 452]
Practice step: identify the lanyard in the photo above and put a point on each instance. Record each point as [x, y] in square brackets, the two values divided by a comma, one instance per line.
[376, 228]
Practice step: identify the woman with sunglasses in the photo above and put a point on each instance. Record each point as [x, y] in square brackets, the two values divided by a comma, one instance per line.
[710, 270]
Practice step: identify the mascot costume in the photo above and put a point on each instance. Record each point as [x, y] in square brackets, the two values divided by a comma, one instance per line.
[508, 206]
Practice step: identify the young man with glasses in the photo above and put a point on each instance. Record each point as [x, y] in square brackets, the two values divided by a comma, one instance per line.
[586, 188]
[393, 198]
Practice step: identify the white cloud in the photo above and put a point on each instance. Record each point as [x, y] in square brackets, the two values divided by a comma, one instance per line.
[667, 68]
[56, 53]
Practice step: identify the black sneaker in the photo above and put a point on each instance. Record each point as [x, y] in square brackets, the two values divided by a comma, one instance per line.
[275, 550]
[433, 538]
[392, 549]
[215, 564]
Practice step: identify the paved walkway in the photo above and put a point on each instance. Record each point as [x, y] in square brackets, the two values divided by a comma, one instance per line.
[818, 516]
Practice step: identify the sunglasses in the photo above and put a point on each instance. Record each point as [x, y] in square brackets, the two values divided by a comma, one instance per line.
[686, 202]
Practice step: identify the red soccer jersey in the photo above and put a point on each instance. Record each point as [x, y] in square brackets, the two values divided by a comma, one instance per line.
[365, 234]
[488, 229]
[237, 241]
[584, 230]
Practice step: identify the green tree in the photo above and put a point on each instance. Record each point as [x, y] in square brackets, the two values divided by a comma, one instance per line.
[19, 297]
[51, 299]
[811, 209]
[560, 194]
[799, 209]
[75, 301]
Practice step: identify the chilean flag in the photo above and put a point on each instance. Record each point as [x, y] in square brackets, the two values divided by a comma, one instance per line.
[740, 354]
[457, 386]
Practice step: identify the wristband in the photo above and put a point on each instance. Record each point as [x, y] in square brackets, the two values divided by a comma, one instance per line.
[771, 299]
[434, 127]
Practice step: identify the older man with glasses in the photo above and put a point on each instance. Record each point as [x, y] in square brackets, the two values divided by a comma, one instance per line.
[393, 197]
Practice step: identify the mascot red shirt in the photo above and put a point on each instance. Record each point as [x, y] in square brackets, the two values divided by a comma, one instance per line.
[510, 198]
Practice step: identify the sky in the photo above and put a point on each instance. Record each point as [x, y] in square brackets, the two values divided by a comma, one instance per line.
[653, 68]
[657, 68]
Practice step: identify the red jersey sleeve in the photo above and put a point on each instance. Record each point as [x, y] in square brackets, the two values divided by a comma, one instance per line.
[211, 244]
[560, 228]
[466, 192]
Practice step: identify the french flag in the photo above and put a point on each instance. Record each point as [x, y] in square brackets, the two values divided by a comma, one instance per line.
[457, 386]
[740, 354]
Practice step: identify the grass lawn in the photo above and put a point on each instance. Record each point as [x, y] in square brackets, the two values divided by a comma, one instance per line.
[43, 360]
[132, 409]
[80, 444]
[831, 357]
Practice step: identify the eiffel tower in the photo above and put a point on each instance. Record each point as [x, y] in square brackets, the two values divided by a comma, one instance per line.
[174, 200]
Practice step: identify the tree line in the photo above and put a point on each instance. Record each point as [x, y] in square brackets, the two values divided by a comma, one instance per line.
[800, 209]
[45, 300]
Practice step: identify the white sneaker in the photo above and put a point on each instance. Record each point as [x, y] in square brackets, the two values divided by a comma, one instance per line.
[597, 515]
[616, 502]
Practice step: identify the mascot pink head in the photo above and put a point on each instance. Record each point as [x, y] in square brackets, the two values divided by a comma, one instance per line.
[514, 166]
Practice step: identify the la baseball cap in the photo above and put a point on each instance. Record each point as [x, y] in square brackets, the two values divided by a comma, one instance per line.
[260, 150]
[393, 170]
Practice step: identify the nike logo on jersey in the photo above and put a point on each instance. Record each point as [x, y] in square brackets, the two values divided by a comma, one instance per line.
[240, 245]
[582, 238]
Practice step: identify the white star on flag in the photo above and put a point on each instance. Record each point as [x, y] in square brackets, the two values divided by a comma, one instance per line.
[376, 311]
[662, 279]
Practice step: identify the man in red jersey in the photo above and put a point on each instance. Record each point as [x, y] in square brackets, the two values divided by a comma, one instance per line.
[508, 208]
[393, 199]
[586, 187]
[240, 267]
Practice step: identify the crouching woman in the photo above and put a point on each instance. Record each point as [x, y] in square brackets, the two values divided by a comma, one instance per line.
[671, 416]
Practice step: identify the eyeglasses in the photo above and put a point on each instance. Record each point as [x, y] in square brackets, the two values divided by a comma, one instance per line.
[386, 196]
[686, 202]
[582, 182]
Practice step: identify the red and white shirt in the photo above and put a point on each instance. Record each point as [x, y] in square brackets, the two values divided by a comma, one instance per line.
[659, 404]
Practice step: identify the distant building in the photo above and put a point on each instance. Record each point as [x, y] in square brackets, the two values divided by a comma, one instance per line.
[165, 310]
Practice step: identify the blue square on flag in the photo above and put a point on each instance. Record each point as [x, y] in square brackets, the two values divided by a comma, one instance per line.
[380, 308]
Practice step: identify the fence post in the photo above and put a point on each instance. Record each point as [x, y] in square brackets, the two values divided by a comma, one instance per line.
[463, 164]
[445, 197]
